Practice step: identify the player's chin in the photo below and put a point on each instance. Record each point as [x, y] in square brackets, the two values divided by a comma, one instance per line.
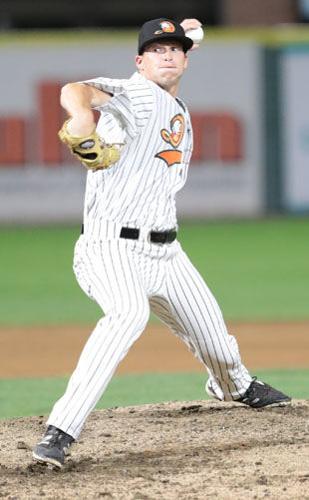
[168, 77]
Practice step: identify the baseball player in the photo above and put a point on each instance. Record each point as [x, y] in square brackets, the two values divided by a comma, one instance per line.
[128, 258]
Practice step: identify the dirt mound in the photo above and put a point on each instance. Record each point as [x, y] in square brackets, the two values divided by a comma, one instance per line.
[167, 451]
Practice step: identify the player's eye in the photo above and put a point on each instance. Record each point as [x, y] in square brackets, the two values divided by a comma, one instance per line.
[159, 50]
[163, 50]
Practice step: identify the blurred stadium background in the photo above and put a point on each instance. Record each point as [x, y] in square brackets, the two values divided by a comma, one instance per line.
[244, 212]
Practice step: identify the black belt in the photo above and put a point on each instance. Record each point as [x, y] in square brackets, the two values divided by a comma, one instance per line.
[155, 236]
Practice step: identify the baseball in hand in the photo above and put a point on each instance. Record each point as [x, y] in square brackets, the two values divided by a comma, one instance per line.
[196, 35]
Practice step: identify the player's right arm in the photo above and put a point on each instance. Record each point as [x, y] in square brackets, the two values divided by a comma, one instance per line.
[79, 100]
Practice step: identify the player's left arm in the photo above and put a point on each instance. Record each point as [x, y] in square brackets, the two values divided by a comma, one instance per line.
[79, 132]
[79, 100]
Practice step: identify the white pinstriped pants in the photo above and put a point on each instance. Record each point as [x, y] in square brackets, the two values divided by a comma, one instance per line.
[127, 278]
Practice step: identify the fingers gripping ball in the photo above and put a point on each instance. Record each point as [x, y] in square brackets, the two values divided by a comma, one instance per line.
[196, 35]
[91, 151]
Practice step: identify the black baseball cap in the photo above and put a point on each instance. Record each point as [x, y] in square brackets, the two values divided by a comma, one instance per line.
[162, 29]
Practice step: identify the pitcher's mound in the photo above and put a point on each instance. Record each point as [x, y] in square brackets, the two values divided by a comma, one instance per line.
[189, 450]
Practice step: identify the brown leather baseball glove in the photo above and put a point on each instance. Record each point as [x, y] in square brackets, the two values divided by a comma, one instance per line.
[91, 150]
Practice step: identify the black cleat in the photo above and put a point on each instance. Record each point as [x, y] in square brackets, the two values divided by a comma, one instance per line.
[53, 447]
[260, 394]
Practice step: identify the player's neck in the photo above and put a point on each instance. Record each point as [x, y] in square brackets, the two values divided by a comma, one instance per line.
[172, 89]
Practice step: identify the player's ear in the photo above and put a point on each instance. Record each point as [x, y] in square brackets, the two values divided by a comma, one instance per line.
[138, 61]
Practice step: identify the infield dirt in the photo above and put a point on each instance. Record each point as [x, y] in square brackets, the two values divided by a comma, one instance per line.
[48, 351]
[197, 450]
[171, 451]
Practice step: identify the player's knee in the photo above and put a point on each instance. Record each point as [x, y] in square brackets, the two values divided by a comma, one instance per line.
[134, 317]
[138, 315]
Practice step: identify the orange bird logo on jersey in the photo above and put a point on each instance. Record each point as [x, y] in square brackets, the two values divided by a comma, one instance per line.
[174, 138]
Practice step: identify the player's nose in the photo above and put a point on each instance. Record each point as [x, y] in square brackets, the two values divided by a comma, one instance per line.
[168, 55]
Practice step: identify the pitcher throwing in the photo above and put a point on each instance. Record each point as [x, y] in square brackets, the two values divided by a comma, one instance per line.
[128, 258]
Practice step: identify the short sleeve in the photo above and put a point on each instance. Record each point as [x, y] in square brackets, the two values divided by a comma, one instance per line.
[132, 102]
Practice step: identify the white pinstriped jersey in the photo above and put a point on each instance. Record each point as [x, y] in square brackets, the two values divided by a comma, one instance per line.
[139, 190]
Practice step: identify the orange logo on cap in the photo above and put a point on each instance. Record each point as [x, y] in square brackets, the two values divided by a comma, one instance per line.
[174, 138]
[166, 27]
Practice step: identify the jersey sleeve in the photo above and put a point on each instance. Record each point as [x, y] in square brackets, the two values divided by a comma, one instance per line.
[110, 85]
[131, 105]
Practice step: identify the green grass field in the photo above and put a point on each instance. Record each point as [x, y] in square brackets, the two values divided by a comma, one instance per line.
[258, 270]
[36, 396]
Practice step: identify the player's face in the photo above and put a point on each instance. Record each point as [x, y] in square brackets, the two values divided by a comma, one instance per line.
[163, 63]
